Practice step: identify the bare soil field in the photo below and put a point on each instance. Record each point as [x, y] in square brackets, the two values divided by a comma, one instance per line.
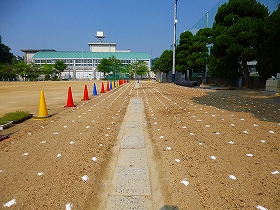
[214, 149]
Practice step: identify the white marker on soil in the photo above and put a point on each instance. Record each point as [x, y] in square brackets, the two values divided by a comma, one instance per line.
[68, 206]
[40, 173]
[185, 182]
[232, 177]
[94, 159]
[10, 203]
[168, 148]
[275, 172]
[249, 155]
[24, 154]
[85, 178]
[261, 208]
[213, 157]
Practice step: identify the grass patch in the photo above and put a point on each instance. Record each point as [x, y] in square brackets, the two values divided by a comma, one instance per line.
[16, 116]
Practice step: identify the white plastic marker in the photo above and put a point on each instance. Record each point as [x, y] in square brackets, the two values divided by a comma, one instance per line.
[271, 132]
[24, 154]
[11, 202]
[231, 142]
[85, 178]
[168, 148]
[40, 173]
[161, 137]
[71, 142]
[232, 177]
[58, 155]
[275, 172]
[177, 160]
[262, 141]
[249, 155]
[261, 208]
[213, 157]
[185, 182]
[68, 206]
[94, 159]
[55, 133]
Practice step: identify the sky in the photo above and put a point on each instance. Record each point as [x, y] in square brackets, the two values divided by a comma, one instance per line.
[69, 25]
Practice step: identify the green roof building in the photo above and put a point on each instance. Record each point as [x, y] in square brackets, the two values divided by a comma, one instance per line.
[83, 65]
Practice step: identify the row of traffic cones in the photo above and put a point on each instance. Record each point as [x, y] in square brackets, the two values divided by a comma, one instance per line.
[43, 112]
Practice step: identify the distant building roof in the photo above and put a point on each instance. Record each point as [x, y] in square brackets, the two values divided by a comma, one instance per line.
[35, 50]
[93, 55]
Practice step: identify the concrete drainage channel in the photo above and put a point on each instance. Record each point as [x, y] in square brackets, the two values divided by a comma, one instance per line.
[133, 183]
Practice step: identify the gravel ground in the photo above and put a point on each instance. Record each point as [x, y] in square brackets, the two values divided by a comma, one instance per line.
[214, 149]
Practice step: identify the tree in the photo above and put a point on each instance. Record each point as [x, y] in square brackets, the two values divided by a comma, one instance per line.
[60, 66]
[22, 69]
[48, 70]
[115, 65]
[7, 72]
[164, 63]
[110, 65]
[182, 53]
[138, 68]
[268, 59]
[238, 30]
[5, 55]
[104, 66]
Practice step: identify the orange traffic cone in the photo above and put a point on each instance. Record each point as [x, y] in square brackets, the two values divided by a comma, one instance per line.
[70, 102]
[43, 112]
[108, 87]
[85, 94]
[102, 88]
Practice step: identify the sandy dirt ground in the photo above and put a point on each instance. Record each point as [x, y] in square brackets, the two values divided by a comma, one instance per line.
[214, 149]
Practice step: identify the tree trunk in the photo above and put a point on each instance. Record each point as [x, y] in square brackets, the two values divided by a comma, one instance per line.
[203, 77]
[166, 77]
[190, 75]
[246, 74]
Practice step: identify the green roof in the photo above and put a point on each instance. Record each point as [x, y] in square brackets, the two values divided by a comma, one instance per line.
[93, 55]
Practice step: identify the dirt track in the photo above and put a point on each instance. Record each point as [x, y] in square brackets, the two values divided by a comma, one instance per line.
[204, 137]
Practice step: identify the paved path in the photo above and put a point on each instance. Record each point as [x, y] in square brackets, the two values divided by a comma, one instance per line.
[130, 185]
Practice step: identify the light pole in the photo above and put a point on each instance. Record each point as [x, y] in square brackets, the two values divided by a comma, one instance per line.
[174, 44]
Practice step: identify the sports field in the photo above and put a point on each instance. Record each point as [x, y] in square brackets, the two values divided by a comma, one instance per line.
[214, 149]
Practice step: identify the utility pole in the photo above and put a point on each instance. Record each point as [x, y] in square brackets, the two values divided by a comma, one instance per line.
[174, 43]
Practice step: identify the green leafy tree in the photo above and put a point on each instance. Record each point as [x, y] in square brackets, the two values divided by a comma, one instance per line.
[5, 55]
[60, 66]
[22, 69]
[104, 66]
[268, 59]
[183, 52]
[238, 30]
[164, 63]
[7, 72]
[47, 70]
[33, 72]
[115, 65]
[110, 65]
[138, 68]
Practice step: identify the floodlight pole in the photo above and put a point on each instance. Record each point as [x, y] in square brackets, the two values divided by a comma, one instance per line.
[174, 43]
